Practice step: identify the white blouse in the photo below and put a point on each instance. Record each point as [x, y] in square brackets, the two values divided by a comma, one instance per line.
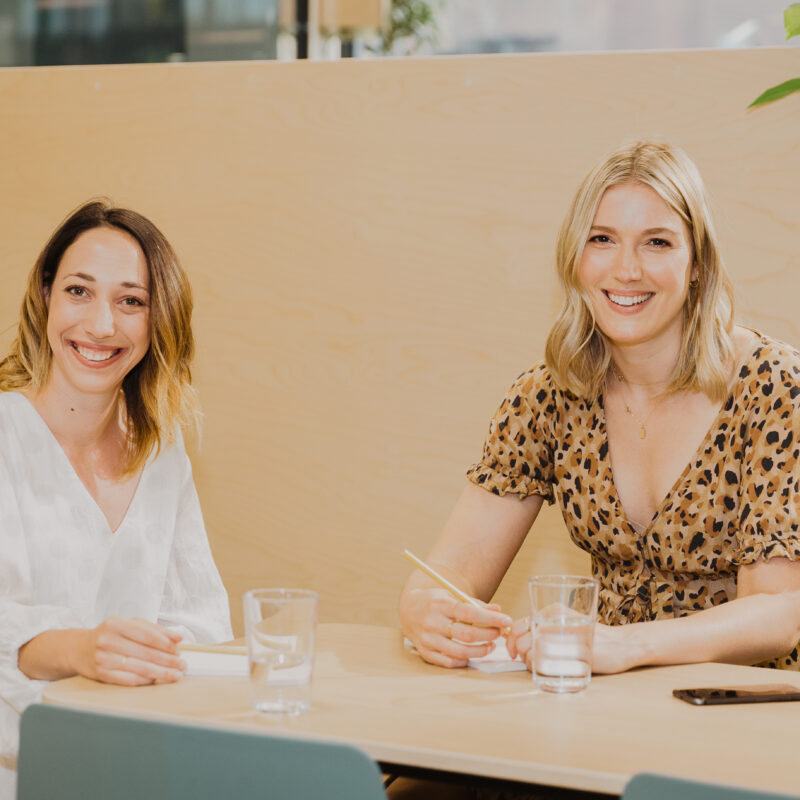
[61, 566]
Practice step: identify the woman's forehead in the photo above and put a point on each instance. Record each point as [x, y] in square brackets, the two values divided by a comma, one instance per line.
[635, 204]
[106, 255]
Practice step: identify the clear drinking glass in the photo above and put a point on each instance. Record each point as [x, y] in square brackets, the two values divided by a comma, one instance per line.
[563, 616]
[279, 626]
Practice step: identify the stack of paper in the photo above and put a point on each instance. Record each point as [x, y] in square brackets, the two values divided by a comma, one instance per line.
[199, 662]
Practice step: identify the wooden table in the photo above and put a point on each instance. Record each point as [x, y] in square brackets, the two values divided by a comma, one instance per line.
[369, 691]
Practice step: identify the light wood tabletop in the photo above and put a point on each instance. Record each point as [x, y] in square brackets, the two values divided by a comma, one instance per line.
[372, 692]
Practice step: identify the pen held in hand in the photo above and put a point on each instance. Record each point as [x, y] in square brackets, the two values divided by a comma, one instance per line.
[459, 594]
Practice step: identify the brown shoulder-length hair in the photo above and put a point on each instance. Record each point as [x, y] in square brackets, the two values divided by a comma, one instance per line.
[157, 393]
[577, 351]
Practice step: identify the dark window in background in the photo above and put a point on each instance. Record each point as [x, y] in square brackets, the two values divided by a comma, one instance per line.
[39, 32]
[108, 31]
[53, 32]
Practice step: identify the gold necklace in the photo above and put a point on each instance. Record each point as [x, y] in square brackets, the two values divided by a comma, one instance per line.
[642, 423]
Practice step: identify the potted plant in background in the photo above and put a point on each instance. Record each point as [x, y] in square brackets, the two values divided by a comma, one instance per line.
[411, 24]
[791, 22]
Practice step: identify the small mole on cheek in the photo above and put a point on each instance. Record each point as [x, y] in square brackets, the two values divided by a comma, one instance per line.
[72, 409]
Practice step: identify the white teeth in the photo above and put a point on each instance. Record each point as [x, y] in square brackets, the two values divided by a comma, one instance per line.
[628, 301]
[95, 355]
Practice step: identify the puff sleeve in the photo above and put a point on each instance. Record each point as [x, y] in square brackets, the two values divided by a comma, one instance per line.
[769, 508]
[517, 454]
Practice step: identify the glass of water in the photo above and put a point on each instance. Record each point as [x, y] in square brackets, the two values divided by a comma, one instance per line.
[563, 616]
[279, 626]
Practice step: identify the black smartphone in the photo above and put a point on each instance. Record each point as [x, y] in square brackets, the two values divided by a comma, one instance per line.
[766, 693]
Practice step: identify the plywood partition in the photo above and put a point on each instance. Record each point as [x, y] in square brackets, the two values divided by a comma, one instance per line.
[370, 245]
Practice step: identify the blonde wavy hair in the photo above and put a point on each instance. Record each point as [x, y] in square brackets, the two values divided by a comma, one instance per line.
[577, 352]
[157, 395]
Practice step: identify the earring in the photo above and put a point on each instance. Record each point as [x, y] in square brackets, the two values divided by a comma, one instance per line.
[694, 284]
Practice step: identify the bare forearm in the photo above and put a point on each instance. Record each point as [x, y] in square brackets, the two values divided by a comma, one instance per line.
[52, 655]
[744, 631]
[473, 552]
[479, 541]
[419, 580]
[131, 652]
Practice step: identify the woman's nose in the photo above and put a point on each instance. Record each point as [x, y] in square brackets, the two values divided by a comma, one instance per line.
[629, 265]
[99, 321]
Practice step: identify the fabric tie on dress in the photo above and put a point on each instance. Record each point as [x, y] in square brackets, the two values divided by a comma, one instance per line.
[635, 606]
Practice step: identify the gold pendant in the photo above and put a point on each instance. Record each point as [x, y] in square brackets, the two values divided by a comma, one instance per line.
[642, 432]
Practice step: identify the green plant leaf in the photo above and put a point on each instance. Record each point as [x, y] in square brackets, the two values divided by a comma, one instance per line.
[412, 19]
[791, 20]
[776, 92]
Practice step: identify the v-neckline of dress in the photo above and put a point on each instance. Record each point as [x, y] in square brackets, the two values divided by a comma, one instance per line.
[77, 478]
[639, 528]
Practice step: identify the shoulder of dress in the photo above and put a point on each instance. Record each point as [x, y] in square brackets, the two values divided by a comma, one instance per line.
[768, 381]
[770, 357]
[171, 452]
[12, 405]
[531, 379]
[9, 398]
[534, 392]
[538, 376]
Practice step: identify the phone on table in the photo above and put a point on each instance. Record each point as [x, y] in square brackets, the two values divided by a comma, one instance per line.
[716, 695]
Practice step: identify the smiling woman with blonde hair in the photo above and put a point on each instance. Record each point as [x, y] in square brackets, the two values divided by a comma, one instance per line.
[104, 561]
[668, 436]
[577, 353]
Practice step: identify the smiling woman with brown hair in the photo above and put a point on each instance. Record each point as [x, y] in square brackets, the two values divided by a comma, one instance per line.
[159, 397]
[104, 561]
[668, 436]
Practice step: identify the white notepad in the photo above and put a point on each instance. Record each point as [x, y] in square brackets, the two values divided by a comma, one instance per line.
[498, 660]
[202, 663]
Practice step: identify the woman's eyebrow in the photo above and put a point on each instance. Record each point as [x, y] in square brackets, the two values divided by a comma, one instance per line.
[91, 279]
[646, 231]
[82, 275]
[651, 231]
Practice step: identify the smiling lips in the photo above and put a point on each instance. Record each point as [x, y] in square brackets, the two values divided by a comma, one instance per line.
[628, 301]
[95, 356]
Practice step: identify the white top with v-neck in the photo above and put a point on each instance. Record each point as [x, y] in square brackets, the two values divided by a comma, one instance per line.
[61, 566]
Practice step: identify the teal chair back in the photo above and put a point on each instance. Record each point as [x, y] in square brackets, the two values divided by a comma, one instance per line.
[659, 787]
[77, 755]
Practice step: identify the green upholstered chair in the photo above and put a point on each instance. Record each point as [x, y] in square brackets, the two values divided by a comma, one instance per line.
[659, 787]
[77, 755]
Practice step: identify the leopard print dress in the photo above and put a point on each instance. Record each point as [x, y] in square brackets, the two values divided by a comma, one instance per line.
[736, 502]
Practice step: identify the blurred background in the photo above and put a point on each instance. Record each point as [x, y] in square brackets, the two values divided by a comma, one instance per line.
[50, 32]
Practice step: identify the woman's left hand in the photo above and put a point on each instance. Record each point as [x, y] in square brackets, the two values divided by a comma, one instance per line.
[615, 648]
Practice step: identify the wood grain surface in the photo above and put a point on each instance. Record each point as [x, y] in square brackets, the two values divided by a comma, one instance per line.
[368, 690]
[371, 250]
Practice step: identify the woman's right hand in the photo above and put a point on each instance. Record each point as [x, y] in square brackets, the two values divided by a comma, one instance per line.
[129, 652]
[447, 632]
